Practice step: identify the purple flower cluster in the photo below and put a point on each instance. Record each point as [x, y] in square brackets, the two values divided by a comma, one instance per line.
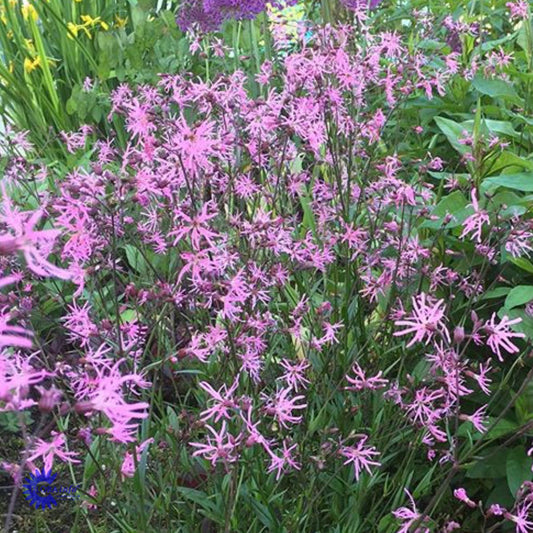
[361, 4]
[208, 15]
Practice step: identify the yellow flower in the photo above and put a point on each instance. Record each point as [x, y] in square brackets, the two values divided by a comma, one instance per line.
[30, 46]
[28, 11]
[92, 22]
[75, 28]
[120, 22]
[72, 30]
[31, 64]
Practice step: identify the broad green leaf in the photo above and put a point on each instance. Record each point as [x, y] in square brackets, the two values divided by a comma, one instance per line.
[491, 467]
[523, 263]
[498, 292]
[520, 295]
[519, 182]
[454, 204]
[495, 88]
[518, 468]
[453, 132]
[135, 259]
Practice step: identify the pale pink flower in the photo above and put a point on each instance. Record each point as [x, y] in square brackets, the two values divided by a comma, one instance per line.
[281, 407]
[361, 382]
[221, 447]
[361, 456]
[475, 222]
[500, 335]
[521, 518]
[426, 319]
[54, 448]
[280, 464]
[462, 496]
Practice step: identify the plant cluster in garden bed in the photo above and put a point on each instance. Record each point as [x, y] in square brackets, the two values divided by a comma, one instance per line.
[293, 299]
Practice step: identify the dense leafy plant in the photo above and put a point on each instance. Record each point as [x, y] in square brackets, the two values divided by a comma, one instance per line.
[295, 292]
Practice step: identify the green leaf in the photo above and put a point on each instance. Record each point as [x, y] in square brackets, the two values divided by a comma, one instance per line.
[520, 182]
[503, 427]
[523, 263]
[518, 468]
[493, 467]
[453, 132]
[498, 292]
[495, 88]
[135, 259]
[520, 295]
[454, 204]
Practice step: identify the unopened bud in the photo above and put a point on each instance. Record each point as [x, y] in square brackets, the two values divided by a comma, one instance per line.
[49, 399]
[458, 334]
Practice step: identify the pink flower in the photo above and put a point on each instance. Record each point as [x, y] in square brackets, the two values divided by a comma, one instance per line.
[49, 450]
[104, 393]
[281, 407]
[500, 335]
[196, 227]
[474, 223]
[13, 335]
[519, 9]
[408, 516]
[523, 525]
[224, 401]
[280, 464]
[360, 456]
[477, 419]
[426, 320]
[35, 245]
[462, 496]
[361, 382]
[128, 464]
[295, 373]
[222, 447]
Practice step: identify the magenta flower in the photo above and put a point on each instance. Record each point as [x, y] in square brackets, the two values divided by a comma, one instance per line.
[361, 456]
[280, 464]
[223, 398]
[54, 448]
[500, 335]
[475, 222]
[281, 407]
[361, 382]
[426, 320]
[35, 245]
[521, 518]
[221, 447]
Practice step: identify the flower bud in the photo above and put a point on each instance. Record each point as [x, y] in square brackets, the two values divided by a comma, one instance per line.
[458, 334]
